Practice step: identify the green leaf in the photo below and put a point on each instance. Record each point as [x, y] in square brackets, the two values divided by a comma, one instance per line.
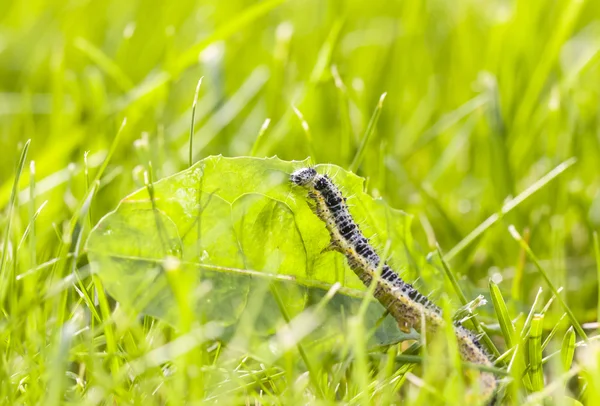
[228, 224]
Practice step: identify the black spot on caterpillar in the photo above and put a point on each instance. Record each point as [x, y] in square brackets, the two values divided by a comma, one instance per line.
[405, 303]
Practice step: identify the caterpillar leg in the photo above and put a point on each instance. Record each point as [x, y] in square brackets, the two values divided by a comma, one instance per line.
[404, 327]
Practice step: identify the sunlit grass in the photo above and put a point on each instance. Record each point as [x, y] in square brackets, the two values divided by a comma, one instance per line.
[488, 136]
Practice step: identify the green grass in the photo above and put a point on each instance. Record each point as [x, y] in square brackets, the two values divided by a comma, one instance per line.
[488, 136]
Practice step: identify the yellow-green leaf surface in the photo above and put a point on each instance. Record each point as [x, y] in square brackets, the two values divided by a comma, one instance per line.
[227, 224]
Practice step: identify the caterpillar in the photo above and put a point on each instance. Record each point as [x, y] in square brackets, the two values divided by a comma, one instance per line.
[405, 303]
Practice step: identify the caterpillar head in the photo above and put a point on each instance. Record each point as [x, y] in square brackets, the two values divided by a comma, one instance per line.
[304, 176]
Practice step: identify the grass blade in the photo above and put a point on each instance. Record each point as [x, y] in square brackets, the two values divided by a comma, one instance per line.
[324, 56]
[307, 133]
[517, 285]
[111, 151]
[261, 133]
[508, 329]
[463, 300]
[515, 234]
[534, 353]
[597, 255]
[531, 313]
[552, 333]
[346, 130]
[60, 359]
[32, 215]
[312, 371]
[190, 157]
[568, 349]
[508, 207]
[243, 19]
[560, 34]
[105, 63]
[5, 278]
[445, 123]
[30, 229]
[368, 134]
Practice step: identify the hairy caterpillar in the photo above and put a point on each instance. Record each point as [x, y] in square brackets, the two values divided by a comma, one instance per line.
[407, 305]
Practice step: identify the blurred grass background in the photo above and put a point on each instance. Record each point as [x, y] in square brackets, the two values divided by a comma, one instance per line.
[483, 98]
